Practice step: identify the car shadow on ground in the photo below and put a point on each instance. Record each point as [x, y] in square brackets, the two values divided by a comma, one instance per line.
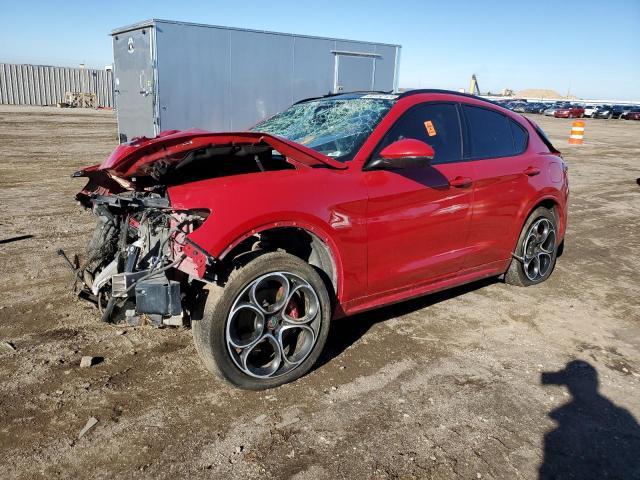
[346, 331]
[594, 438]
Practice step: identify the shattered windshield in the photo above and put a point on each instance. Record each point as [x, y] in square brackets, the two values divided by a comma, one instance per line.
[336, 127]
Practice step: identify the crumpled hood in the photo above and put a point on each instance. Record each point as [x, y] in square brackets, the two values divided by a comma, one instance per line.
[129, 160]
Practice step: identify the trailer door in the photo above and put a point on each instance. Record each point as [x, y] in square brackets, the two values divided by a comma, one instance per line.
[134, 84]
[354, 71]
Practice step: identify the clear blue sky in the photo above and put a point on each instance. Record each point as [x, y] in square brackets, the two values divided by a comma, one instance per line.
[591, 47]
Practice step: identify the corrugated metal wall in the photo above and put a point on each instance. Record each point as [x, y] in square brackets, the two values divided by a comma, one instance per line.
[45, 85]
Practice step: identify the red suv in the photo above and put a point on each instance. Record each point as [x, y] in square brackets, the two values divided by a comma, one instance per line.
[334, 206]
[572, 111]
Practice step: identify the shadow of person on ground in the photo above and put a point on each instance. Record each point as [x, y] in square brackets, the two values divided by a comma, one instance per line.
[594, 439]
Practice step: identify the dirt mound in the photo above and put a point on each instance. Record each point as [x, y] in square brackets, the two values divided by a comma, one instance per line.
[539, 93]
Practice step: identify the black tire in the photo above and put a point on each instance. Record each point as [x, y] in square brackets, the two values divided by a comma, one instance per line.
[516, 273]
[210, 331]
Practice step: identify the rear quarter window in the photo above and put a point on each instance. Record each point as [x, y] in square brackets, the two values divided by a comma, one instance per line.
[520, 137]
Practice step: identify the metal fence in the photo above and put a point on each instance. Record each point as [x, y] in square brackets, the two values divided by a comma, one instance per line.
[45, 85]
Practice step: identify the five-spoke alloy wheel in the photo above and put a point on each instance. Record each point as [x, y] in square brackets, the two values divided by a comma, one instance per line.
[536, 251]
[273, 325]
[268, 325]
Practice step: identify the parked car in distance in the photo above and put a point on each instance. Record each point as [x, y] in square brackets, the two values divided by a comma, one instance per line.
[532, 107]
[551, 108]
[589, 110]
[625, 110]
[633, 114]
[520, 107]
[572, 111]
[603, 111]
[618, 110]
[337, 205]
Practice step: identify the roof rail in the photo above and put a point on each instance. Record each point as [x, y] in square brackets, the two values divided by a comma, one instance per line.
[408, 93]
[329, 95]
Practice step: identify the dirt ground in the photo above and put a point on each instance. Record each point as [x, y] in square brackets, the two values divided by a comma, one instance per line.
[446, 386]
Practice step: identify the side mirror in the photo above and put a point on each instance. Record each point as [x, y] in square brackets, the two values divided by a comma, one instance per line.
[405, 153]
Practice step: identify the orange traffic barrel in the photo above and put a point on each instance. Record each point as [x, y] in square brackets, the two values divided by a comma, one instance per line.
[577, 132]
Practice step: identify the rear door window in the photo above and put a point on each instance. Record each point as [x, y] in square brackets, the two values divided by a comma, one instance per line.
[437, 124]
[489, 133]
[492, 135]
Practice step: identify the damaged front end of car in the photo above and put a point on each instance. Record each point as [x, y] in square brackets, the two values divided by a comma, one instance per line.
[140, 264]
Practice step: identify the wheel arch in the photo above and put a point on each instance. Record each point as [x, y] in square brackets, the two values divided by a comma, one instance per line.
[309, 242]
[549, 202]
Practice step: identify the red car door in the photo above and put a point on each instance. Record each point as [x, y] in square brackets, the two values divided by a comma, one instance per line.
[418, 218]
[497, 147]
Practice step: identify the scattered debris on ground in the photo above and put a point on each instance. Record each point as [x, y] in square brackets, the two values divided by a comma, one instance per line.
[88, 361]
[92, 422]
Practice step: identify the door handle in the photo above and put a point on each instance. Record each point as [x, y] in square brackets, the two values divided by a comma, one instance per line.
[531, 171]
[460, 182]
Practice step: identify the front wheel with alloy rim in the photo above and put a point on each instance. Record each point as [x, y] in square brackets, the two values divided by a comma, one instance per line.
[268, 324]
[536, 251]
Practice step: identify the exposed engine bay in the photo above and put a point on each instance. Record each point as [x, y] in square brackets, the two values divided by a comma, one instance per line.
[133, 263]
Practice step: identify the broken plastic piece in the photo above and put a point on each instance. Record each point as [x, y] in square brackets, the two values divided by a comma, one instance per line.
[92, 422]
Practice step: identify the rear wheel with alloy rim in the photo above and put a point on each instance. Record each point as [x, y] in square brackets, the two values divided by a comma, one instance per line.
[268, 325]
[537, 249]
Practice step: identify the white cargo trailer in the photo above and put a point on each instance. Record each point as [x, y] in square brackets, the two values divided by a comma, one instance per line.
[175, 75]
